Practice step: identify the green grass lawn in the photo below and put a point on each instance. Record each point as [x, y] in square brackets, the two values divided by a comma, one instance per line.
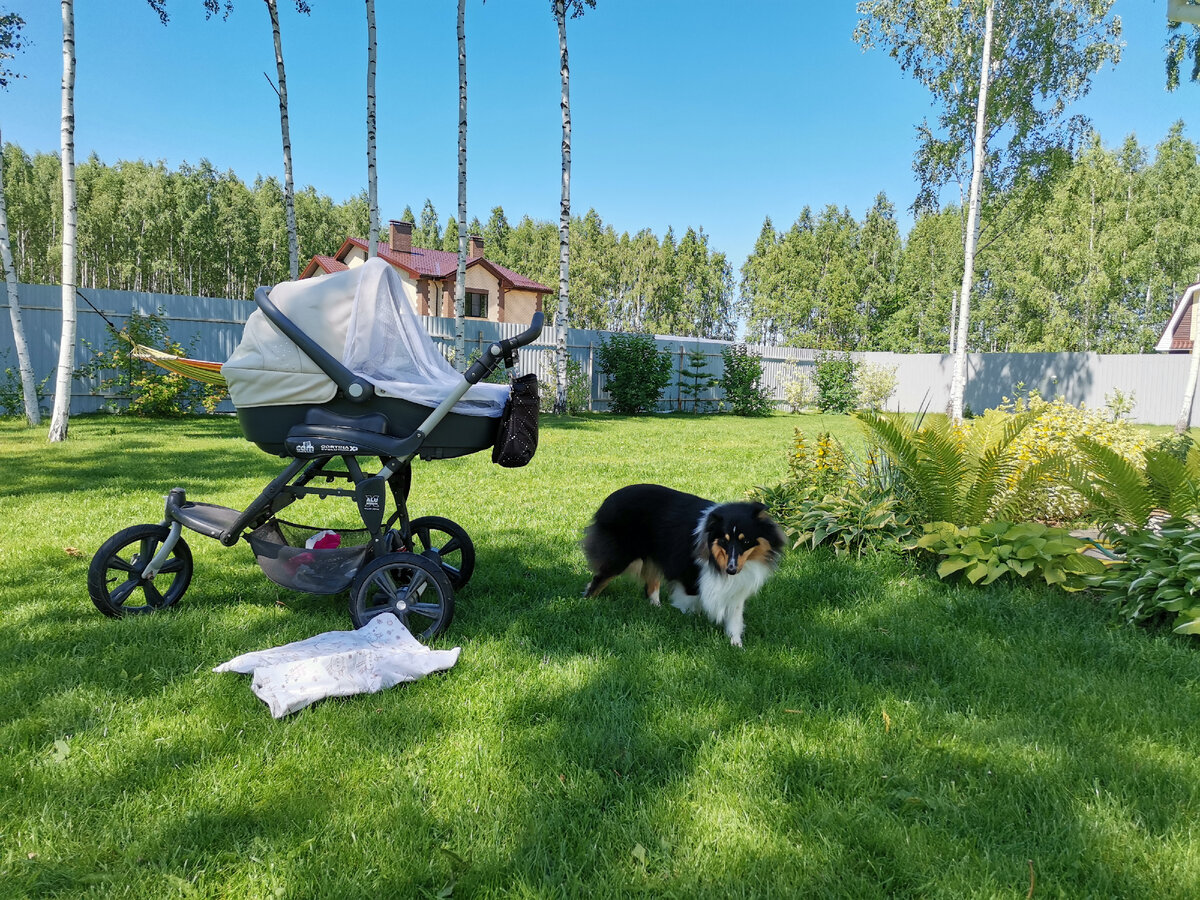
[881, 734]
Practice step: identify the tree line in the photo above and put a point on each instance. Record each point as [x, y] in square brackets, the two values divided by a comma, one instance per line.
[1110, 240]
[198, 231]
[1106, 245]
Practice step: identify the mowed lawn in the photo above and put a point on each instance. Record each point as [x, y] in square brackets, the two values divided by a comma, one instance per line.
[881, 734]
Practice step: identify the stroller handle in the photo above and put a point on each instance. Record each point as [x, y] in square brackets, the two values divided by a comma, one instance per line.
[354, 387]
[504, 350]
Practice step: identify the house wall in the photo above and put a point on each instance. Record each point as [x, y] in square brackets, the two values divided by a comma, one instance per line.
[519, 306]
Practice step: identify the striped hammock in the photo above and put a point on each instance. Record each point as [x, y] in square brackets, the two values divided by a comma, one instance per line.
[199, 369]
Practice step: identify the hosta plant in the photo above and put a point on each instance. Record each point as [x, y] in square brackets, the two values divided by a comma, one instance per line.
[984, 553]
[853, 522]
[1159, 575]
[830, 499]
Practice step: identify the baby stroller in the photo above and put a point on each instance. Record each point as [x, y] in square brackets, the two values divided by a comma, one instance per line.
[391, 397]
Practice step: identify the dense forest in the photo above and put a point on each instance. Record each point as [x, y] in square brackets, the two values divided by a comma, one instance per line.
[1091, 258]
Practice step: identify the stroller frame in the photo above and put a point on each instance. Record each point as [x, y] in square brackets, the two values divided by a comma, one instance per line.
[409, 567]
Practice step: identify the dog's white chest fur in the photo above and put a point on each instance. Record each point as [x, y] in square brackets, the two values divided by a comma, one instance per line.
[723, 597]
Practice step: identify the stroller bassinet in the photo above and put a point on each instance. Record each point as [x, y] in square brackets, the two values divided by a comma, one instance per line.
[332, 370]
[311, 343]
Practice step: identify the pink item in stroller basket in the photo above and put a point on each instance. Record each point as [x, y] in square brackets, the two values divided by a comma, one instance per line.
[324, 540]
[337, 375]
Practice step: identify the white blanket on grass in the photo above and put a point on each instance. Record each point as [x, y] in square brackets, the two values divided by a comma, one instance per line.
[339, 664]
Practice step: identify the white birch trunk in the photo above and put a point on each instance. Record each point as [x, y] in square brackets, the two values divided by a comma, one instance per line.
[564, 222]
[1189, 390]
[460, 279]
[959, 383]
[372, 178]
[33, 415]
[289, 195]
[61, 416]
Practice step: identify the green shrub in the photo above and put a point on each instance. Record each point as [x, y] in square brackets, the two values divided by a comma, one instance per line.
[152, 390]
[1177, 445]
[636, 372]
[992, 550]
[876, 384]
[742, 382]
[834, 377]
[799, 392]
[1159, 575]
[12, 393]
[1119, 404]
[695, 380]
[579, 391]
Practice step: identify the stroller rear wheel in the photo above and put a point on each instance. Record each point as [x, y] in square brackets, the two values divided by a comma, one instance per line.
[114, 578]
[446, 543]
[412, 587]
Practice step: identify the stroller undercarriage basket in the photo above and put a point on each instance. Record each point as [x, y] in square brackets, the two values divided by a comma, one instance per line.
[280, 549]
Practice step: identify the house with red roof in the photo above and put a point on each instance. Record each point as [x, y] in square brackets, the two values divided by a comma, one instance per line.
[493, 292]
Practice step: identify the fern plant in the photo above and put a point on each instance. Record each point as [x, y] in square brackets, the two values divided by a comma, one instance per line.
[965, 475]
[1123, 496]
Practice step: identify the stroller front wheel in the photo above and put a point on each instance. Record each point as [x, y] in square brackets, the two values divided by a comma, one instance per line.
[446, 543]
[115, 582]
[412, 587]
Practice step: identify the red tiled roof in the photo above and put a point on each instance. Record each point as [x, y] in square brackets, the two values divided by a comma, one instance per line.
[1181, 339]
[327, 264]
[422, 262]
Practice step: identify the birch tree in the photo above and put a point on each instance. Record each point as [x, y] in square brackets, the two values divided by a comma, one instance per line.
[1003, 73]
[61, 415]
[289, 190]
[1181, 45]
[10, 43]
[460, 280]
[372, 180]
[561, 8]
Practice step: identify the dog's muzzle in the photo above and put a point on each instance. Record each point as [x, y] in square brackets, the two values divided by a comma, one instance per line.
[731, 567]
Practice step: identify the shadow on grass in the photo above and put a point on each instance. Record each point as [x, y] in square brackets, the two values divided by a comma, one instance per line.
[962, 713]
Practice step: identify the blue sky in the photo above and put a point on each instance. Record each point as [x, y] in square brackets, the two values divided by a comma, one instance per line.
[685, 112]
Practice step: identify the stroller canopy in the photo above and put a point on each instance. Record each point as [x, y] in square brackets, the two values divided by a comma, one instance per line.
[364, 316]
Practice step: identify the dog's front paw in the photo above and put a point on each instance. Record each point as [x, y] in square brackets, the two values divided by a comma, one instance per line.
[736, 640]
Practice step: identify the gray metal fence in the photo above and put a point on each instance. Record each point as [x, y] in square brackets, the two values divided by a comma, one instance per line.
[211, 327]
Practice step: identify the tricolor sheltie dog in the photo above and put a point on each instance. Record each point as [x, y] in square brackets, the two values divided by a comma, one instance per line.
[714, 556]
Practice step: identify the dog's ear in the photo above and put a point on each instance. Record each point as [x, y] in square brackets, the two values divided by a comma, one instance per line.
[759, 509]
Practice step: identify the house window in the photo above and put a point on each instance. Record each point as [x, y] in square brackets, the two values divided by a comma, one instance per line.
[476, 304]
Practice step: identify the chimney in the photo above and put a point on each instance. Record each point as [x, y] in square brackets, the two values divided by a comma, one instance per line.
[475, 247]
[400, 239]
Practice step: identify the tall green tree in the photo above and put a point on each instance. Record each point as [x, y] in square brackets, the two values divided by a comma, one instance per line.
[428, 233]
[1003, 73]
